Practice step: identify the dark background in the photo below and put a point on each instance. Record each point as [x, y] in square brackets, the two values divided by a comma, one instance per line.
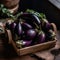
[52, 13]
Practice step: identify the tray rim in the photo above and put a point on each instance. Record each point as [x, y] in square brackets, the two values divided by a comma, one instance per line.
[39, 44]
[21, 52]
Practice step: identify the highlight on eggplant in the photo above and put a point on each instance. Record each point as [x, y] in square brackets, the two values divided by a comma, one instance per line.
[31, 28]
[18, 29]
[13, 25]
[30, 34]
[41, 37]
[30, 17]
[27, 43]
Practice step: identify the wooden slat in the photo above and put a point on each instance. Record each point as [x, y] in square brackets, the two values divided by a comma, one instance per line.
[38, 47]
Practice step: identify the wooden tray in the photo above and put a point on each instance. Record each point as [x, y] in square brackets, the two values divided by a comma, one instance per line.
[34, 48]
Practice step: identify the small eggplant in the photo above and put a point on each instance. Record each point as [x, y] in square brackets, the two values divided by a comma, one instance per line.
[27, 43]
[30, 34]
[41, 37]
[13, 25]
[50, 35]
[26, 26]
[52, 32]
[18, 29]
[23, 43]
[46, 25]
[30, 18]
[37, 20]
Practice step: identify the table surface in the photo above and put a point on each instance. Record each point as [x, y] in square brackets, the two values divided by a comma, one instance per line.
[8, 53]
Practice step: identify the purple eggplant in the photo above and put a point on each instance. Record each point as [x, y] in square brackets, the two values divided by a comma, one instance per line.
[30, 18]
[18, 29]
[26, 26]
[23, 43]
[41, 37]
[7, 25]
[30, 34]
[27, 43]
[50, 35]
[13, 25]
[46, 25]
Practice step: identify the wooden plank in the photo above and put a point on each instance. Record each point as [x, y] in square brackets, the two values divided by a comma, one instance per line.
[34, 48]
[38, 47]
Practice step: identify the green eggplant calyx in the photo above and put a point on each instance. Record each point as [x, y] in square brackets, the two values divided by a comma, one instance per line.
[40, 32]
[41, 15]
[36, 25]
[18, 14]
[20, 43]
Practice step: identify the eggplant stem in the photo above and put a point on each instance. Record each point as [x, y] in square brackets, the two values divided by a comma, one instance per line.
[36, 25]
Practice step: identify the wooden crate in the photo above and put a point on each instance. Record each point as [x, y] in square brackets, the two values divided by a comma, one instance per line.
[34, 48]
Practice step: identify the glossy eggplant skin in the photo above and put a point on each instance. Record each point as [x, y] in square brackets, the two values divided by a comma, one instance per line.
[12, 28]
[30, 34]
[27, 43]
[18, 29]
[30, 18]
[26, 26]
[46, 25]
[7, 25]
[13, 25]
[41, 37]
